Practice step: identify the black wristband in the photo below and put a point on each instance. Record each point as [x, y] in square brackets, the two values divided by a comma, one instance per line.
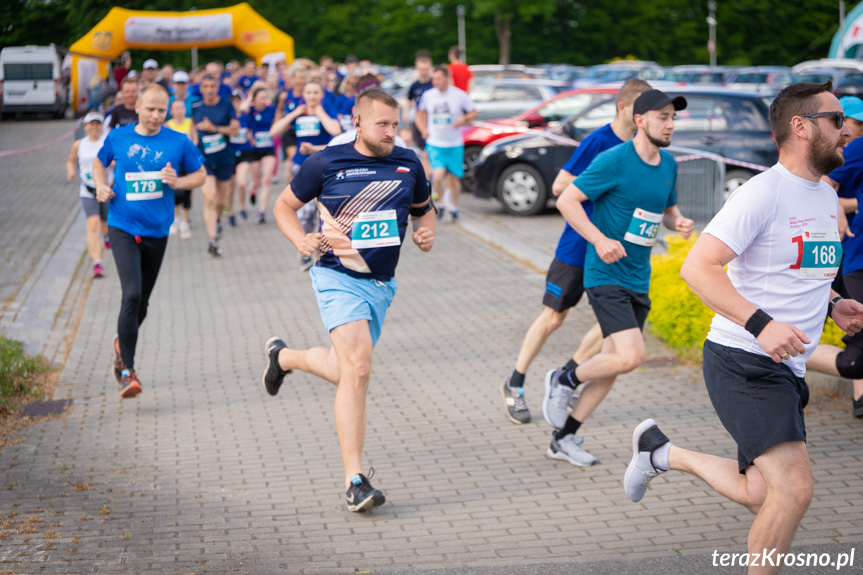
[832, 304]
[757, 322]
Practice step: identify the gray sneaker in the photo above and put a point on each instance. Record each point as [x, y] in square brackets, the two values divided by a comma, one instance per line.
[645, 439]
[555, 399]
[513, 399]
[569, 449]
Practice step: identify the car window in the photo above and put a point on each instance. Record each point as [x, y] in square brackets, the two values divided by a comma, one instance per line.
[516, 93]
[749, 114]
[565, 107]
[701, 114]
[28, 71]
[595, 118]
[852, 80]
[750, 79]
[482, 93]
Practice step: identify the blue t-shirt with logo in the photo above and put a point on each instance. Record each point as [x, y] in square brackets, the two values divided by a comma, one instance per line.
[245, 83]
[214, 146]
[142, 204]
[364, 204]
[259, 123]
[572, 248]
[629, 196]
[310, 129]
[850, 180]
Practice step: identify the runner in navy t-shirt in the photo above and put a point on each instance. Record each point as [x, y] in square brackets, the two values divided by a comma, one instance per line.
[260, 120]
[286, 102]
[147, 158]
[216, 122]
[367, 192]
[564, 282]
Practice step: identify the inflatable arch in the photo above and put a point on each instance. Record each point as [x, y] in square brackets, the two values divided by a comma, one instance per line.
[848, 42]
[123, 29]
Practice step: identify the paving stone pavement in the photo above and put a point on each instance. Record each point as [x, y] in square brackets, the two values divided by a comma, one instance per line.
[205, 473]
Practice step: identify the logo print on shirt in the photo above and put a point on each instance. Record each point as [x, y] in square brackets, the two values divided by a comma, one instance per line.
[403, 170]
[340, 175]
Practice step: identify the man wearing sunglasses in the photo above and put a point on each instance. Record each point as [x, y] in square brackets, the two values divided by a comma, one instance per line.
[779, 237]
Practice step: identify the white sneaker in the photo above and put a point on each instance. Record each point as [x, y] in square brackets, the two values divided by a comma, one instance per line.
[173, 230]
[185, 231]
[569, 449]
[645, 440]
[555, 399]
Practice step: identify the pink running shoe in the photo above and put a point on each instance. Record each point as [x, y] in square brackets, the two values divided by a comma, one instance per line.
[97, 270]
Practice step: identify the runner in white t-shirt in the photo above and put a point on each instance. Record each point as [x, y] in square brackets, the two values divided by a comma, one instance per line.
[778, 235]
[441, 113]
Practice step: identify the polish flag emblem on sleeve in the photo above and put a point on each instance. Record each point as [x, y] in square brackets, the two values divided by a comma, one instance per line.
[402, 169]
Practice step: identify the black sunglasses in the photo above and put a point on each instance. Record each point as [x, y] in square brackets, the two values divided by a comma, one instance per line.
[838, 117]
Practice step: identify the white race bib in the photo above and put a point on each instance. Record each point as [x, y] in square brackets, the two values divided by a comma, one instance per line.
[375, 230]
[213, 143]
[307, 126]
[643, 228]
[143, 186]
[263, 140]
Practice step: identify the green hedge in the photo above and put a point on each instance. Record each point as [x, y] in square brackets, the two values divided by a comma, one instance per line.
[677, 316]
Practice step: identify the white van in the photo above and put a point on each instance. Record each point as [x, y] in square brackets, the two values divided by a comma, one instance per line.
[31, 81]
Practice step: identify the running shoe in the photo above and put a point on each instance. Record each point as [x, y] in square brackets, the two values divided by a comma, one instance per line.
[244, 214]
[305, 264]
[569, 449]
[214, 249]
[514, 405]
[107, 243]
[361, 496]
[858, 406]
[130, 384]
[441, 212]
[232, 221]
[453, 215]
[118, 362]
[261, 218]
[172, 231]
[645, 440]
[273, 375]
[185, 231]
[253, 196]
[555, 400]
[97, 270]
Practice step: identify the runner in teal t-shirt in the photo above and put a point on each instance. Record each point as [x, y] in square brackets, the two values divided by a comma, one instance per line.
[632, 187]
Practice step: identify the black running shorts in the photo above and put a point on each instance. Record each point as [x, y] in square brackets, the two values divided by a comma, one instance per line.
[618, 308]
[564, 285]
[760, 402]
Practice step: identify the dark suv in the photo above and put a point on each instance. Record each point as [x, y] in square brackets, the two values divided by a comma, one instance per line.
[519, 170]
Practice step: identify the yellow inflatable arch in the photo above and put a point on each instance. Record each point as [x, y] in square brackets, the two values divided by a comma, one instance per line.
[123, 29]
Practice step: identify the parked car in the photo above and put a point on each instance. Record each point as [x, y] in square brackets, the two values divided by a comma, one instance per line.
[837, 63]
[519, 170]
[31, 81]
[398, 82]
[618, 73]
[505, 98]
[761, 78]
[696, 74]
[849, 85]
[547, 113]
[500, 71]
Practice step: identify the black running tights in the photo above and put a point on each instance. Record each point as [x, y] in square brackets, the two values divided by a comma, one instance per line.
[138, 260]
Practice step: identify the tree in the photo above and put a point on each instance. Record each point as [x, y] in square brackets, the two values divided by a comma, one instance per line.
[505, 10]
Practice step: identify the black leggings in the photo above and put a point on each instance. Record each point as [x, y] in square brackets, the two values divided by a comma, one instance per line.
[138, 260]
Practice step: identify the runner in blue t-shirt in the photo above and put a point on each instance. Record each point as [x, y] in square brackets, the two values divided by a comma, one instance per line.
[249, 77]
[286, 102]
[632, 187]
[216, 122]
[260, 121]
[243, 157]
[314, 126]
[147, 158]
[367, 192]
[564, 282]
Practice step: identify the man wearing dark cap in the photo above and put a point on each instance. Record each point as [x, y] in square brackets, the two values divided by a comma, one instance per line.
[632, 187]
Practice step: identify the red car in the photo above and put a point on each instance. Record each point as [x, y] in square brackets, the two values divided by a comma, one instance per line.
[549, 112]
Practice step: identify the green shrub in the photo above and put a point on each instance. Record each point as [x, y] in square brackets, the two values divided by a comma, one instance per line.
[18, 372]
[678, 317]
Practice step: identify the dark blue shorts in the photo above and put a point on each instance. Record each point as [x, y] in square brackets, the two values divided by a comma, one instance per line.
[760, 402]
[222, 167]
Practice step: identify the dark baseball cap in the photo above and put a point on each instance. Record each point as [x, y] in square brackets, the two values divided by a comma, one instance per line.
[656, 99]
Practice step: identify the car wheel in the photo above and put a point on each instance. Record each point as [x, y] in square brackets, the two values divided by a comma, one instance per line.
[471, 155]
[522, 190]
[734, 179]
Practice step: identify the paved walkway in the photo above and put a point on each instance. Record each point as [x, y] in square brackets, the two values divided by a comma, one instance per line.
[206, 473]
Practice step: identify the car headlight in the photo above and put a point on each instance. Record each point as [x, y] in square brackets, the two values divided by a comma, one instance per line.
[512, 152]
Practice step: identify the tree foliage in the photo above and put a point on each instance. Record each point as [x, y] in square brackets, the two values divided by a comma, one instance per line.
[572, 31]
